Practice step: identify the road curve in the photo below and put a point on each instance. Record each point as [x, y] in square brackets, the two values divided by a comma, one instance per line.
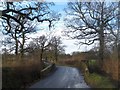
[63, 77]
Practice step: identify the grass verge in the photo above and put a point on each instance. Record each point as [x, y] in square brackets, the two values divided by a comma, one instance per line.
[97, 81]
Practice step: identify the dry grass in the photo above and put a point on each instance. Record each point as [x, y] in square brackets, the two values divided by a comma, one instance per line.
[19, 73]
[111, 68]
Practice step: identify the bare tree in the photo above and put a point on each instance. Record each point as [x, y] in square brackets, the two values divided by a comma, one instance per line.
[29, 10]
[90, 22]
[56, 43]
[119, 30]
[41, 43]
[113, 38]
[47, 48]
[16, 15]
[19, 37]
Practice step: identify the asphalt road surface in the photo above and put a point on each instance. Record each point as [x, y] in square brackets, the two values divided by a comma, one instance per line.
[63, 77]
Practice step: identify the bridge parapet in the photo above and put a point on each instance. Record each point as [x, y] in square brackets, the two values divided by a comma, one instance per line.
[47, 70]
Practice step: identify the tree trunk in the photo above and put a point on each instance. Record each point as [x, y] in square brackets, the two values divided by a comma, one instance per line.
[41, 56]
[101, 38]
[56, 54]
[16, 43]
[16, 48]
[118, 35]
[101, 49]
[22, 44]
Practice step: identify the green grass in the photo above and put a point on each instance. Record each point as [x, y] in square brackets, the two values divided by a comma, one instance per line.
[93, 79]
[98, 81]
[92, 62]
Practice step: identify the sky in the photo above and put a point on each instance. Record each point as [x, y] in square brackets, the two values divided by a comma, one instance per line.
[58, 31]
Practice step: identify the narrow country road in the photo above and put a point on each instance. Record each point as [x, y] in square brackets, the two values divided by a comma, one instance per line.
[63, 77]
